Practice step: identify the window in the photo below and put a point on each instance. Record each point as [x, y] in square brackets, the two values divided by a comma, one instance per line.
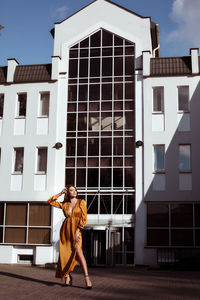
[184, 158]
[1, 105]
[18, 160]
[158, 99]
[159, 158]
[25, 223]
[183, 98]
[41, 160]
[44, 104]
[21, 105]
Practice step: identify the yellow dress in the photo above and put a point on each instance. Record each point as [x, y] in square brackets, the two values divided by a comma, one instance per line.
[67, 244]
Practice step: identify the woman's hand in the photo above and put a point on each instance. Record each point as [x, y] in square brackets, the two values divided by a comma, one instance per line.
[77, 236]
[64, 191]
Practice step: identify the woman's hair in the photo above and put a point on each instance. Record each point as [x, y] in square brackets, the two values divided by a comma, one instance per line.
[67, 188]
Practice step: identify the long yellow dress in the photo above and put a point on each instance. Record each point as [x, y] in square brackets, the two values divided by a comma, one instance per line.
[67, 244]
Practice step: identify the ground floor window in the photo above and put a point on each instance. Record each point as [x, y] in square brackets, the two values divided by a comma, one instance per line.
[173, 224]
[25, 223]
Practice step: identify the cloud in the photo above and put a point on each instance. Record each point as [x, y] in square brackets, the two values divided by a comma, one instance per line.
[186, 14]
[61, 12]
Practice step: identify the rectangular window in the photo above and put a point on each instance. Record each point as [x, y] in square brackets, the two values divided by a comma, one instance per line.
[18, 160]
[158, 99]
[184, 158]
[159, 158]
[44, 104]
[41, 160]
[21, 105]
[1, 105]
[183, 98]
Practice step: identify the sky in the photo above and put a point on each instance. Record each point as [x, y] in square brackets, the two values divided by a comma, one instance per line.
[27, 24]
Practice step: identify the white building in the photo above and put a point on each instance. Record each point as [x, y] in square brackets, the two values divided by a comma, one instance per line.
[117, 121]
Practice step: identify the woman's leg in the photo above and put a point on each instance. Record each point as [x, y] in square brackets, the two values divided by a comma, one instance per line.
[81, 259]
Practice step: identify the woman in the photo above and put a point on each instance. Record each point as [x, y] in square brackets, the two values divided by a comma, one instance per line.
[70, 243]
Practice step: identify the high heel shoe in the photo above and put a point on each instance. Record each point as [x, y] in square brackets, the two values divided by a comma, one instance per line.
[90, 284]
[70, 280]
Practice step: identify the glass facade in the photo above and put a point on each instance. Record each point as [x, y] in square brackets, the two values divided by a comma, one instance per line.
[100, 152]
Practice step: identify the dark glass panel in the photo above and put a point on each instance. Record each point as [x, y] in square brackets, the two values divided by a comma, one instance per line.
[106, 91]
[1, 235]
[129, 204]
[129, 66]
[117, 177]
[93, 146]
[95, 39]
[94, 80]
[118, 51]
[118, 79]
[1, 213]
[181, 215]
[70, 134]
[118, 66]
[107, 38]
[94, 121]
[182, 237]
[118, 161]
[197, 214]
[106, 161]
[106, 121]
[81, 177]
[129, 239]
[129, 91]
[197, 237]
[105, 204]
[129, 258]
[94, 52]
[106, 146]
[81, 147]
[39, 236]
[75, 46]
[94, 67]
[118, 105]
[157, 215]
[83, 71]
[107, 66]
[118, 121]
[118, 41]
[82, 121]
[117, 204]
[71, 122]
[118, 133]
[16, 214]
[129, 161]
[92, 204]
[73, 53]
[15, 235]
[93, 133]
[129, 51]
[106, 106]
[129, 105]
[70, 147]
[94, 91]
[93, 162]
[129, 177]
[118, 91]
[84, 43]
[106, 133]
[107, 52]
[118, 146]
[81, 133]
[39, 215]
[81, 162]
[92, 177]
[157, 237]
[82, 106]
[69, 176]
[129, 146]
[72, 81]
[70, 162]
[84, 53]
[107, 79]
[94, 106]
[130, 120]
[105, 179]
[71, 107]
[73, 68]
[83, 80]
[72, 93]
[83, 92]
[127, 43]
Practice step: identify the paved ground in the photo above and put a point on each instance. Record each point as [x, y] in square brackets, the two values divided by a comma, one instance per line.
[31, 282]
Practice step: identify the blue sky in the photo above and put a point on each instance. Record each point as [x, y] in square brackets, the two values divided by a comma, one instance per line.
[26, 36]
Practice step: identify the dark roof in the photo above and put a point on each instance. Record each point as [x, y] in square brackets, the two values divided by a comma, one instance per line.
[32, 73]
[170, 66]
[3, 74]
